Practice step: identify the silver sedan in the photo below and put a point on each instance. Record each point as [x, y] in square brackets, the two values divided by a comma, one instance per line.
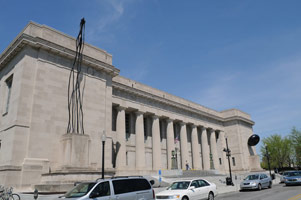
[256, 181]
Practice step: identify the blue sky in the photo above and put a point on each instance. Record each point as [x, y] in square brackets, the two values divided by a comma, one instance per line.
[243, 54]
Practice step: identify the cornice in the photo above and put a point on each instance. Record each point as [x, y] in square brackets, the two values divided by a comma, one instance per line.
[24, 39]
[135, 91]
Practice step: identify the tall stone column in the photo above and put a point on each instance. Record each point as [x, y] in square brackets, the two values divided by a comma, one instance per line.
[223, 144]
[156, 143]
[184, 149]
[214, 149]
[121, 142]
[205, 149]
[170, 142]
[196, 160]
[140, 151]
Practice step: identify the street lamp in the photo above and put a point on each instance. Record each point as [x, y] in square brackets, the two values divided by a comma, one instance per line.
[228, 154]
[268, 158]
[35, 194]
[103, 139]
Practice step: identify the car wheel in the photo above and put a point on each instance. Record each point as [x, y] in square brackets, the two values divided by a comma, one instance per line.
[185, 198]
[210, 196]
[270, 185]
[259, 186]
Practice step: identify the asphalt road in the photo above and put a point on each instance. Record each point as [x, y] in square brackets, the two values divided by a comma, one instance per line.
[277, 192]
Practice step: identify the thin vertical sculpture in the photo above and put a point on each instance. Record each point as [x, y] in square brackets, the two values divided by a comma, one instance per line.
[75, 98]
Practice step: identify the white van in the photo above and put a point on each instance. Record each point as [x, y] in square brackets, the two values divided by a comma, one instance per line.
[121, 188]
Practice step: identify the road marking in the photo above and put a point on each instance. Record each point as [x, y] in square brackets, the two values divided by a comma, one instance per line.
[295, 197]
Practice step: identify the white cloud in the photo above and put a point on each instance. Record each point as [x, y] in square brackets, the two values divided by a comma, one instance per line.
[109, 17]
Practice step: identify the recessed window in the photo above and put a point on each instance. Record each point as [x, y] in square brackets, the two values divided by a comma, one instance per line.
[220, 161]
[127, 126]
[145, 126]
[233, 161]
[9, 83]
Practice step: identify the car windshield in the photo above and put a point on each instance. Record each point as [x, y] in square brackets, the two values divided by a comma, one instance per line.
[293, 174]
[80, 190]
[252, 177]
[181, 185]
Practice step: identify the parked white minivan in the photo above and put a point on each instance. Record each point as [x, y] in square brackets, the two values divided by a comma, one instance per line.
[122, 188]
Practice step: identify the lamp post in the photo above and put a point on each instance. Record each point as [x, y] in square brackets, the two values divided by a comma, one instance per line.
[268, 158]
[228, 154]
[103, 139]
[35, 194]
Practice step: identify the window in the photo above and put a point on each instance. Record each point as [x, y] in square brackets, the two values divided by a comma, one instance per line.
[9, 83]
[130, 185]
[102, 189]
[203, 183]
[220, 161]
[80, 190]
[233, 161]
[114, 118]
[195, 184]
[127, 123]
[127, 126]
[145, 128]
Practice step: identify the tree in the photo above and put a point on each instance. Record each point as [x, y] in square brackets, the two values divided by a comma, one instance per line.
[295, 138]
[279, 149]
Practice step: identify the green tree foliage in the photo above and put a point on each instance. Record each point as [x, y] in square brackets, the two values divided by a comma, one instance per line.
[283, 151]
[295, 138]
[279, 150]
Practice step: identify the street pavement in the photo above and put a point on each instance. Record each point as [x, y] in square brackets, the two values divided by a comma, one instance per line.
[277, 192]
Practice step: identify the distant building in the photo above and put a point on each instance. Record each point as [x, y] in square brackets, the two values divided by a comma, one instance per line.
[147, 129]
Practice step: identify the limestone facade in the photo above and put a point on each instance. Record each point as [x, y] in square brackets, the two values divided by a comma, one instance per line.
[146, 128]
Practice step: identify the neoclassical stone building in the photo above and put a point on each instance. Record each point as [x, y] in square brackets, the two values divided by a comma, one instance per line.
[147, 129]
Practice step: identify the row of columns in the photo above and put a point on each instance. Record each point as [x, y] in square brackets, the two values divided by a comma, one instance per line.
[156, 144]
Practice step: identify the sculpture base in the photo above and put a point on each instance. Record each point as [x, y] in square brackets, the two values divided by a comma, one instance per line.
[75, 150]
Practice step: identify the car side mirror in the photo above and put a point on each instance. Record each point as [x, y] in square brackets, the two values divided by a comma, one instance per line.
[94, 195]
[152, 182]
[191, 187]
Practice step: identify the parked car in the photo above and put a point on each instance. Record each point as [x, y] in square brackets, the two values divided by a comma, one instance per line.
[293, 178]
[123, 188]
[256, 181]
[284, 174]
[189, 189]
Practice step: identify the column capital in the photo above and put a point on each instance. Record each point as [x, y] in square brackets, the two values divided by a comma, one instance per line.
[203, 128]
[182, 123]
[120, 108]
[193, 126]
[155, 117]
[138, 113]
[211, 130]
[169, 120]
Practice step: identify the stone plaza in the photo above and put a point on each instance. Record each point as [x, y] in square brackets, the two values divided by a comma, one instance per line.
[146, 129]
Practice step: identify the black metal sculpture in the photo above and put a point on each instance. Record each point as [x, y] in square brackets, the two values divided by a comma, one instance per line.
[75, 98]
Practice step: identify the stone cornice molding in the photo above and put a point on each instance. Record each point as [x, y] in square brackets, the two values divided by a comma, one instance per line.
[35, 38]
[118, 86]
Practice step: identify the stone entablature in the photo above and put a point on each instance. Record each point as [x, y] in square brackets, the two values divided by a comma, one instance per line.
[41, 36]
[139, 89]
